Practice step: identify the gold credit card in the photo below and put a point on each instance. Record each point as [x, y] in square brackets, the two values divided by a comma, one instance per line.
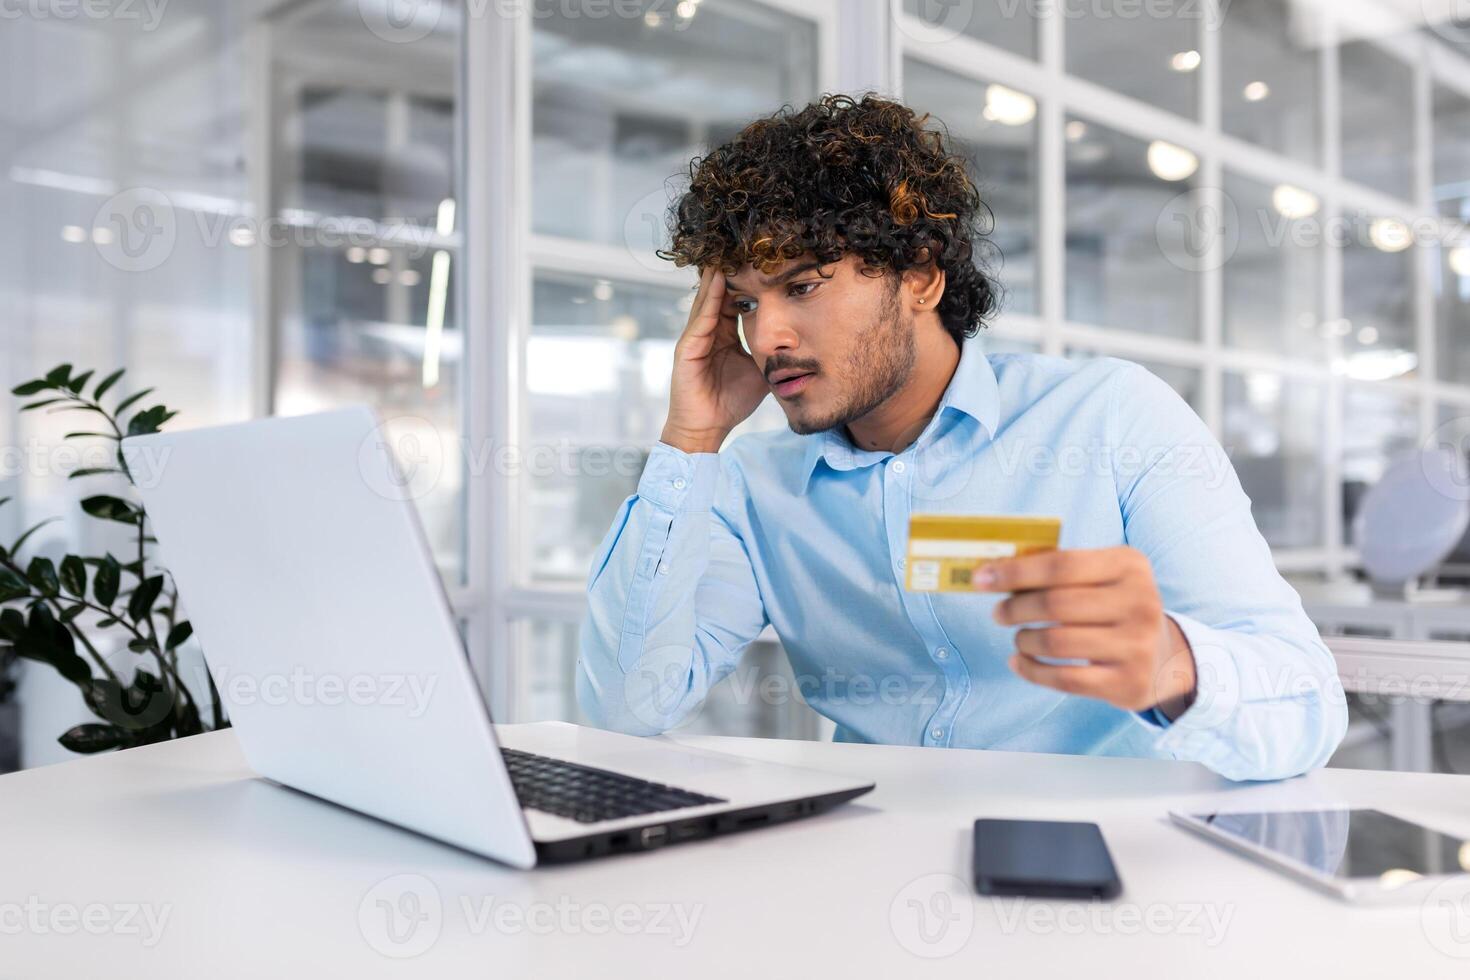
[945, 549]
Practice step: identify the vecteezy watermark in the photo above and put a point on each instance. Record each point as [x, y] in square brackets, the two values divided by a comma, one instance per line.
[1208, 463]
[42, 460]
[933, 916]
[1209, 921]
[306, 688]
[1198, 230]
[938, 21]
[149, 13]
[1444, 458]
[404, 915]
[404, 458]
[144, 920]
[1450, 19]
[135, 230]
[138, 228]
[1201, 228]
[1445, 918]
[406, 21]
[645, 229]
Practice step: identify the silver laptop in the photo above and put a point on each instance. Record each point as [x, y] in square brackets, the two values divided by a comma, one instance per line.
[336, 653]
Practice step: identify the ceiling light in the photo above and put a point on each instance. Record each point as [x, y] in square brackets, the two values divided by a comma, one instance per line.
[686, 9]
[1256, 91]
[382, 277]
[1007, 106]
[1460, 260]
[379, 256]
[1076, 131]
[1170, 162]
[102, 236]
[75, 234]
[603, 290]
[444, 219]
[1389, 235]
[1377, 365]
[356, 254]
[1185, 61]
[242, 237]
[409, 277]
[1368, 336]
[653, 18]
[1293, 202]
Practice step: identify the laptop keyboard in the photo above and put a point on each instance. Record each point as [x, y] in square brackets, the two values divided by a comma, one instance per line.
[588, 795]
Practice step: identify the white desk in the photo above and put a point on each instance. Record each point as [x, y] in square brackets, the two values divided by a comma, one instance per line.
[258, 881]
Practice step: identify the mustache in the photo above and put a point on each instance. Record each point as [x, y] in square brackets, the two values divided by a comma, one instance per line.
[773, 366]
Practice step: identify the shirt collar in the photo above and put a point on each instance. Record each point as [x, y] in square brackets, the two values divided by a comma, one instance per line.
[972, 391]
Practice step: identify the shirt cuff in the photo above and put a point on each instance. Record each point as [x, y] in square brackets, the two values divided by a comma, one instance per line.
[1217, 691]
[680, 482]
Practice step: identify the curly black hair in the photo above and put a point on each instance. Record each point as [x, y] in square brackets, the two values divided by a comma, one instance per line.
[841, 176]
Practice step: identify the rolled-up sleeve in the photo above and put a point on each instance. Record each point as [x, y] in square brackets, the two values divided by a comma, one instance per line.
[1269, 703]
[672, 598]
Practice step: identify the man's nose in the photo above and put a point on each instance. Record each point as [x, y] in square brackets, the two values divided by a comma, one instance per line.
[768, 334]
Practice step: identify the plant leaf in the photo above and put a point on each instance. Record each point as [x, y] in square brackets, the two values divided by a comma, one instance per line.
[91, 471]
[15, 548]
[12, 586]
[140, 646]
[123, 405]
[80, 435]
[107, 383]
[148, 420]
[92, 737]
[109, 508]
[106, 582]
[181, 632]
[72, 612]
[140, 603]
[30, 388]
[42, 403]
[79, 382]
[74, 576]
[59, 374]
[42, 574]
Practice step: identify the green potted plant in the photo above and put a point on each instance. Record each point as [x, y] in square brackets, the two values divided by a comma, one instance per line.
[55, 614]
[9, 713]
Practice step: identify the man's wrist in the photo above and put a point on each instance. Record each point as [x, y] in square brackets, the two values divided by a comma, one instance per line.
[1177, 666]
[693, 442]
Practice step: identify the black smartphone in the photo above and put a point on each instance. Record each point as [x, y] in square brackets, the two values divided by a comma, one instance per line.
[1043, 859]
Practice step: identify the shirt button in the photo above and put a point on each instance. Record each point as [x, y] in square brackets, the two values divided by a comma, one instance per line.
[942, 653]
[903, 563]
[898, 466]
[663, 568]
[680, 484]
[936, 733]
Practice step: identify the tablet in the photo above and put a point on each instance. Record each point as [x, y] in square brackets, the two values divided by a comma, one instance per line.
[1362, 856]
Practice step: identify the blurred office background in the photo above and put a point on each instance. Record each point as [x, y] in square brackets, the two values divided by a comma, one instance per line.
[449, 210]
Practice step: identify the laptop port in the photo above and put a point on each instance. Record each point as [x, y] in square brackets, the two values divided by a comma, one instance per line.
[618, 841]
[654, 836]
[752, 819]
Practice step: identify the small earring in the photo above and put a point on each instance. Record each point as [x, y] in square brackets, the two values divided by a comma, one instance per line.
[921, 301]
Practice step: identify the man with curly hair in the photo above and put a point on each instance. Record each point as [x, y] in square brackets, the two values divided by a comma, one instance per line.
[841, 271]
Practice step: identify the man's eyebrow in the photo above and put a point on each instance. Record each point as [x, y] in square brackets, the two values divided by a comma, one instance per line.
[786, 276]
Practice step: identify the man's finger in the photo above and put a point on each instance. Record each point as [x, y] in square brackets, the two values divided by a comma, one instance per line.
[1079, 604]
[1099, 644]
[1073, 566]
[707, 303]
[1093, 681]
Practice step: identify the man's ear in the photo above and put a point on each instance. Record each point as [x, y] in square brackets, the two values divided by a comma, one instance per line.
[924, 282]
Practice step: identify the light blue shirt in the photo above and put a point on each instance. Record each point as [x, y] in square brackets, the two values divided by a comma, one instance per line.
[810, 534]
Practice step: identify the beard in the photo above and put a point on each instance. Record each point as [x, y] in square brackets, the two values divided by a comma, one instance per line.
[877, 367]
